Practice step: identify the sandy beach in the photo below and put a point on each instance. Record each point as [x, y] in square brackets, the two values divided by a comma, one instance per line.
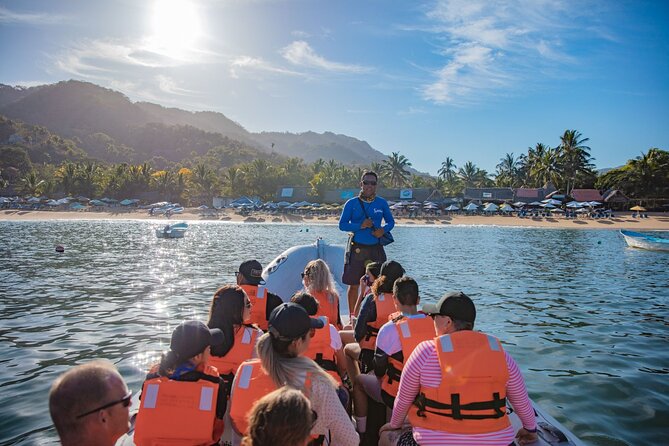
[655, 221]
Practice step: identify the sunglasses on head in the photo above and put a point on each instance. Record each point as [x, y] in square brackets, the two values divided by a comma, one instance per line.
[125, 401]
[369, 183]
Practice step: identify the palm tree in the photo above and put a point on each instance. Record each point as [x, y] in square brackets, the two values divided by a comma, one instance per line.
[3, 182]
[574, 157]
[394, 168]
[68, 175]
[88, 174]
[32, 184]
[468, 174]
[447, 170]
[508, 171]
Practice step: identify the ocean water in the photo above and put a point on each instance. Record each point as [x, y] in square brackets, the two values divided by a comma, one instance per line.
[585, 316]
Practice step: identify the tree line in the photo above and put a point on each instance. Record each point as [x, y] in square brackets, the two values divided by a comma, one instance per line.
[568, 165]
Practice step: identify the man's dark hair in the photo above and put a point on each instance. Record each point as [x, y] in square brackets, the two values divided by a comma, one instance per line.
[369, 172]
[405, 290]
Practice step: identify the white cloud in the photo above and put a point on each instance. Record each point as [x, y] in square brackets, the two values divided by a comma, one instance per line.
[494, 47]
[249, 63]
[168, 85]
[301, 54]
[34, 18]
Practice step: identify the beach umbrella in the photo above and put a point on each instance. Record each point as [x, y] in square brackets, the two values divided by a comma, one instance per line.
[552, 201]
[536, 203]
[519, 204]
[506, 207]
[548, 206]
[490, 207]
[557, 210]
[574, 205]
[452, 208]
[593, 204]
[471, 207]
[638, 208]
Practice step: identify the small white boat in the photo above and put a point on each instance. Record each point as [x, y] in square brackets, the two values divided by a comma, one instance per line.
[645, 241]
[177, 230]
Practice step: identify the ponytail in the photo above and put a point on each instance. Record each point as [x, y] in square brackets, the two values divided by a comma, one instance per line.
[168, 362]
[287, 369]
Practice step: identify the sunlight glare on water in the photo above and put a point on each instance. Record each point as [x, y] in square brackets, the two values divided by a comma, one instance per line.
[584, 316]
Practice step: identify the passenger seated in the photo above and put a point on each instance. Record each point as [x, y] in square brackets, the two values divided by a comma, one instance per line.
[375, 311]
[454, 387]
[280, 363]
[230, 312]
[249, 277]
[90, 404]
[371, 274]
[396, 341]
[281, 418]
[319, 283]
[183, 398]
[325, 347]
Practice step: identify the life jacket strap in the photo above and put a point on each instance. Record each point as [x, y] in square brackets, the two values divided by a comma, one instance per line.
[326, 364]
[497, 405]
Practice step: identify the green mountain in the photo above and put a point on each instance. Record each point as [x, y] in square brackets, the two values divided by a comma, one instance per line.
[110, 127]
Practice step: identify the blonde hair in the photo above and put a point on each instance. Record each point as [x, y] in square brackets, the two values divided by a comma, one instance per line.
[281, 418]
[284, 367]
[320, 279]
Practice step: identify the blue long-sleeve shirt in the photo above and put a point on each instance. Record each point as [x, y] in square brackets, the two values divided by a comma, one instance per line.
[352, 217]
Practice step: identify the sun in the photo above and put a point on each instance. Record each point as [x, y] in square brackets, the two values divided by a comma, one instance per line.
[175, 28]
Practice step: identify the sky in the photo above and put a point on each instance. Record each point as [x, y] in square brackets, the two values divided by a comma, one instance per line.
[471, 80]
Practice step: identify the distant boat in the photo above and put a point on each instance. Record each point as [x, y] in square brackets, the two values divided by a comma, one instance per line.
[644, 241]
[177, 230]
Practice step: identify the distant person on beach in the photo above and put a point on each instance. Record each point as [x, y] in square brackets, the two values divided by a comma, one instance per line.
[183, 397]
[281, 418]
[249, 277]
[362, 216]
[454, 387]
[90, 404]
[319, 283]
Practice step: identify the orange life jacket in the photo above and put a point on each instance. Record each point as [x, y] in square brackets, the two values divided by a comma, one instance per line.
[384, 308]
[251, 383]
[321, 351]
[180, 413]
[471, 398]
[327, 308]
[411, 332]
[245, 341]
[258, 296]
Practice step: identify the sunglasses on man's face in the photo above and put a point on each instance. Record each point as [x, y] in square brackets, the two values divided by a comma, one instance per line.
[369, 183]
[125, 401]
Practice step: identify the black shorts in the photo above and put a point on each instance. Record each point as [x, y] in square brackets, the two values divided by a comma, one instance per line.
[361, 255]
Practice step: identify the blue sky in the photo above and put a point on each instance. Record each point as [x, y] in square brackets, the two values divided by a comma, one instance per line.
[468, 79]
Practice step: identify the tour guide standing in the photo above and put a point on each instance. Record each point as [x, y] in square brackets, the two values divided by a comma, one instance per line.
[362, 215]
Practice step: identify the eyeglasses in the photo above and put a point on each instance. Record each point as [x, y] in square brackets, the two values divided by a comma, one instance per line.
[369, 183]
[125, 401]
[302, 274]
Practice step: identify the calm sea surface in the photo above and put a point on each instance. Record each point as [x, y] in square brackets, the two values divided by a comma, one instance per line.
[585, 317]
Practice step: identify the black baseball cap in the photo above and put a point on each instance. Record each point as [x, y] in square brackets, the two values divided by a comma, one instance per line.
[252, 271]
[456, 305]
[190, 338]
[290, 321]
